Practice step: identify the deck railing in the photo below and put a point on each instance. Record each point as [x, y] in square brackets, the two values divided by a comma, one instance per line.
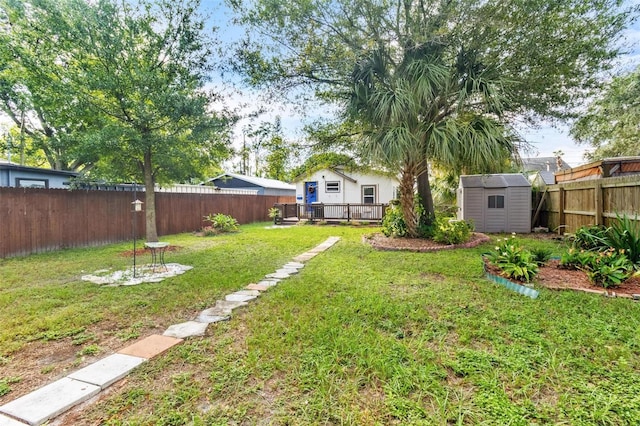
[332, 212]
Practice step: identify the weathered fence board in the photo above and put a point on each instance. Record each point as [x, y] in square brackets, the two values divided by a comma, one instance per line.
[38, 220]
[572, 205]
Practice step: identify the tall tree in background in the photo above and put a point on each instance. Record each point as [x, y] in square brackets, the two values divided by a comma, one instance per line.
[50, 115]
[611, 124]
[542, 56]
[139, 69]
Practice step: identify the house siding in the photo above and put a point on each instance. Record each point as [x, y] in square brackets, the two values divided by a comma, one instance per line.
[350, 191]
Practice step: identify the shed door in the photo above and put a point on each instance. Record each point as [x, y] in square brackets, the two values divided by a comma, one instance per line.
[495, 218]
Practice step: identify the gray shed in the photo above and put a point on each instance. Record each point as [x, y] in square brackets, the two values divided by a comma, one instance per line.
[496, 203]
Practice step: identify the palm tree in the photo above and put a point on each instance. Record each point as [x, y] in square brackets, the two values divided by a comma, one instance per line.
[421, 110]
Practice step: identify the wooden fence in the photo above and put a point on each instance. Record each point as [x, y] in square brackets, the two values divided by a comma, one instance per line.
[591, 202]
[38, 220]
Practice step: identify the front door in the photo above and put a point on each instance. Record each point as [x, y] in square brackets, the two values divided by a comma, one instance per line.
[311, 192]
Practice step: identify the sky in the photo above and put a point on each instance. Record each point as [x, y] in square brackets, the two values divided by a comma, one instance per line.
[544, 139]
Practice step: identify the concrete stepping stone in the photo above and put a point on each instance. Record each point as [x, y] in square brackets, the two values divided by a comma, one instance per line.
[259, 287]
[296, 265]
[8, 421]
[151, 346]
[248, 292]
[269, 283]
[278, 275]
[37, 407]
[212, 315]
[290, 271]
[186, 329]
[108, 370]
[304, 257]
[235, 297]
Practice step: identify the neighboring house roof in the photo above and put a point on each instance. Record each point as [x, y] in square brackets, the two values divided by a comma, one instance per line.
[548, 178]
[5, 165]
[543, 164]
[503, 180]
[256, 181]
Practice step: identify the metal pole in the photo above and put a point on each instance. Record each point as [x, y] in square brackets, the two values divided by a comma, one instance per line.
[134, 229]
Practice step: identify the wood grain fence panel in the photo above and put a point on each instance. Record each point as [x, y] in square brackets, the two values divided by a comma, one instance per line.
[36, 220]
[588, 201]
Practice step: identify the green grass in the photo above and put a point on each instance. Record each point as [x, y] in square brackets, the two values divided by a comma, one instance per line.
[358, 337]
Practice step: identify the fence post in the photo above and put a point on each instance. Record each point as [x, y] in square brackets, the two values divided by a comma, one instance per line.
[561, 218]
[597, 199]
[348, 212]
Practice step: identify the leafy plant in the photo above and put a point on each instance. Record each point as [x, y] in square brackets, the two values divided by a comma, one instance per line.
[541, 255]
[274, 212]
[624, 234]
[221, 223]
[393, 224]
[592, 237]
[609, 268]
[514, 261]
[576, 259]
[450, 231]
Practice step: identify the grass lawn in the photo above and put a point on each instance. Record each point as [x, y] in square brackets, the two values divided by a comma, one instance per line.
[358, 337]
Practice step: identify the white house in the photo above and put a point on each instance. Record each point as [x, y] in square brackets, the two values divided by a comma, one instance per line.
[335, 193]
[338, 186]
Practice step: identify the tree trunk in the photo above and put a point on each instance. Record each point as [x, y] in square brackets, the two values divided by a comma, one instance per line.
[407, 201]
[426, 198]
[150, 200]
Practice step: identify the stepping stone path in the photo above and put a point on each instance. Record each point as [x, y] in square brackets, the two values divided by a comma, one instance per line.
[55, 398]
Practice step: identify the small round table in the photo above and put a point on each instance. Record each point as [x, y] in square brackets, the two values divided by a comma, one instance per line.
[157, 254]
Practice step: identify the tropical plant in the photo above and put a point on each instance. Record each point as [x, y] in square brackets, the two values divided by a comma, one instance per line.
[592, 237]
[609, 268]
[513, 260]
[576, 259]
[222, 222]
[450, 231]
[541, 255]
[624, 234]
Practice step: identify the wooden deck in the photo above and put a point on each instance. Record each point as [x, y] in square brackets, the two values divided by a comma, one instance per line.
[332, 212]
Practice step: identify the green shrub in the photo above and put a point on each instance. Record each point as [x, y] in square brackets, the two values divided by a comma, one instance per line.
[513, 260]
[220, 223]
[541, 255]
[393, 224]
[592, 237]
[606, 268]
[624, 234]
[576, 259]
[451, 231]
[609, 268]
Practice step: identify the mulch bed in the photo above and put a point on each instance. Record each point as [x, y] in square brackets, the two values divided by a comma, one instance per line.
[550, 275]
[380, 242]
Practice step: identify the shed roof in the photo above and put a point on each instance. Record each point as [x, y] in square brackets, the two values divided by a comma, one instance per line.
[502, 180]
[257, 181]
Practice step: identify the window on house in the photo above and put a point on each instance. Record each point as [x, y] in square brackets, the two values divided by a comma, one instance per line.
[32, 183]
[496, 201]
[368, 194]
[332, 187]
